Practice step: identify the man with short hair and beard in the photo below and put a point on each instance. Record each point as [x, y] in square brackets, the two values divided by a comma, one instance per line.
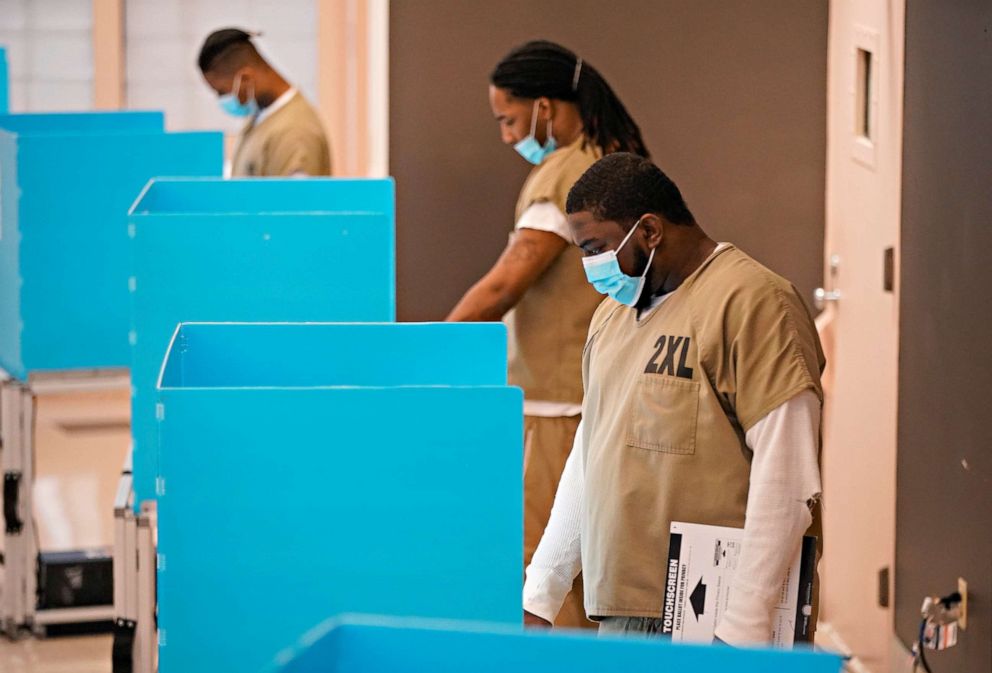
[284, 135]
[702, 405]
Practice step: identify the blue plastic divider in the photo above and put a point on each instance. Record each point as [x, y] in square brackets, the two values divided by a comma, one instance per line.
[324, 196]
[271, 250]
[78, 123]
[4, 85]
[66, 182]
[339, 354]
[309, 470]
[364, 644]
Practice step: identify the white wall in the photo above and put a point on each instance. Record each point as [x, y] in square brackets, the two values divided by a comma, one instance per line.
[49, 52]
[163, 38]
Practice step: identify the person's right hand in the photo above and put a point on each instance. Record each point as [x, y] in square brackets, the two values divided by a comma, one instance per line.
[533, 620]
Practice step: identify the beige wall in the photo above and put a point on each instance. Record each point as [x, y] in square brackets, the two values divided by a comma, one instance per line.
[352, 68]
[342, 63]
[108, 54]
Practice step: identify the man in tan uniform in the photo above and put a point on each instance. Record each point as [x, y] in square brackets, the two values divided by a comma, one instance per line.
[702, 405]
[537, 287]
[284, 135]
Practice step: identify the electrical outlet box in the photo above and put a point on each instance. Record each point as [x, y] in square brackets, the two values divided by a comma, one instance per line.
[963, 590]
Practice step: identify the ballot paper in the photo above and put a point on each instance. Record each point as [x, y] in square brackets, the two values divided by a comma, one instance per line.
[702, 561]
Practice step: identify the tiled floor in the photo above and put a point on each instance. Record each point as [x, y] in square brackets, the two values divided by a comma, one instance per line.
[85, 654]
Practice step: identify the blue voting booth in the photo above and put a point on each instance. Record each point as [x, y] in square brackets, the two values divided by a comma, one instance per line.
[360, 644]
[308, 470]
[66, 182]
[250, 250]
[4, 83]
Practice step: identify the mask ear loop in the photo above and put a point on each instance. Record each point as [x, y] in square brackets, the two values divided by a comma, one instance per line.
[629, 234]
[648, 265]
[533, 118]
[236, 89]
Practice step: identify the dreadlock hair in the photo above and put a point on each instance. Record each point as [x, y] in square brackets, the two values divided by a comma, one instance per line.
[543, 68]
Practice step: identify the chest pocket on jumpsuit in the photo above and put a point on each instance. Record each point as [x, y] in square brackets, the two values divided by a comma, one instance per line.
[663, 414]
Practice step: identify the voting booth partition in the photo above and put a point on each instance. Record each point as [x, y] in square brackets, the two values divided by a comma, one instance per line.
[234, 250]
[316, 469]
[372, 644]
[4, 83]
[66, 182]
[272, 250]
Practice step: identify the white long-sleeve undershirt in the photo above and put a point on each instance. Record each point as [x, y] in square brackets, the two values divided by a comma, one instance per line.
[785, 477]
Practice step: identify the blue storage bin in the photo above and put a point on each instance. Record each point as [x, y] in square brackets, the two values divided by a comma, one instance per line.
[364, 644]
[308, 470]
[250, 250]
[66, 182]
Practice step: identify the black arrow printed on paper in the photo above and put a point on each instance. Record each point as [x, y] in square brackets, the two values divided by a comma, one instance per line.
[698, 598]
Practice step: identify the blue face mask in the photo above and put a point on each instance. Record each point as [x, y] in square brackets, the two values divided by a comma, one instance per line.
[529, 148]
[603, 271]
[230, 104]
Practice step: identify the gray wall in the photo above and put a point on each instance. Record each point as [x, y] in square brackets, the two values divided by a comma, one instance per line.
[730, 95]
[944, 501]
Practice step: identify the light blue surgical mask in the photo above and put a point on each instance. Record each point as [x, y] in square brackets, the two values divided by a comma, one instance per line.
[529, 148]
[230, 104]
[603, 271]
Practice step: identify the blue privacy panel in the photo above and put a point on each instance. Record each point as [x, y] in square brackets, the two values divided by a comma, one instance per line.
[358, 644]
[4, 82]
[66, 182]
[250, 250]
[72, 123]
[211, 355]
[352, 487]
[267, 195]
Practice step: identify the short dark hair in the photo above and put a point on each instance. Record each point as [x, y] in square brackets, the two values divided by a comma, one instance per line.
[222, 45]
[621, 187]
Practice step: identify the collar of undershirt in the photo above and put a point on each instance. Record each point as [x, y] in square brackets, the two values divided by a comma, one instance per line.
[642, 315]
[276, 105]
